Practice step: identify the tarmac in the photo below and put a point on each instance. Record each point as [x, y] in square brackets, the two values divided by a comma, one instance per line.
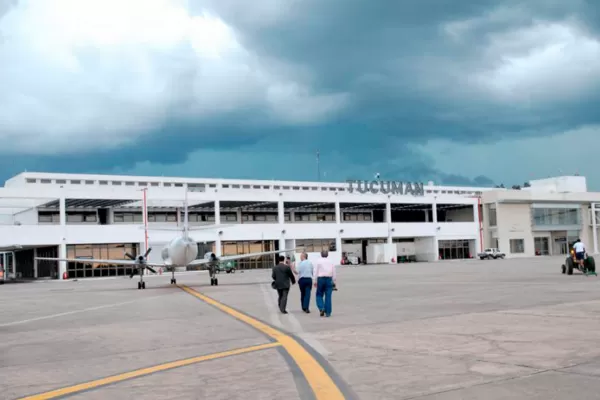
[497, 329]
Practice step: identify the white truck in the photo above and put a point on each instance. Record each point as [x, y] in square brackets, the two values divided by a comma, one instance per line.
[491, 253]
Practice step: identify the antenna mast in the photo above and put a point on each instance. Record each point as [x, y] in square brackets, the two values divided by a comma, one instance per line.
[318, 166]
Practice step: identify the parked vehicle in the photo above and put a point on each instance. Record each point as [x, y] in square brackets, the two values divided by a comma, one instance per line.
[491, 253]
[350, 259]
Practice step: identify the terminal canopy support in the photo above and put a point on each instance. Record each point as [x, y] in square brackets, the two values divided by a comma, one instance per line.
[218, 247]
[62, 248]
[436, 249]
[594, 228]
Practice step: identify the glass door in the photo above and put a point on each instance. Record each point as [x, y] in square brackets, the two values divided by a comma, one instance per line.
[7, 265]
[9, 261]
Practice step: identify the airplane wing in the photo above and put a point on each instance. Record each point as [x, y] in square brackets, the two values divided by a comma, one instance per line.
[238, 257]
[190, 228]
[99, 261]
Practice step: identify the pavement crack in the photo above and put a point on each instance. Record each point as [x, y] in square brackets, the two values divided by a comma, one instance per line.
[545, 315]
[493, 381]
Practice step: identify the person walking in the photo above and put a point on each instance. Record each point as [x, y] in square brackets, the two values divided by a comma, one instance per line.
[324, 276]
[580, 250]
[305, 282]
[283, 278]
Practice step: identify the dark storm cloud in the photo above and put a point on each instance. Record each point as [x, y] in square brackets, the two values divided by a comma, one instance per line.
[370, 49]
[373, 50]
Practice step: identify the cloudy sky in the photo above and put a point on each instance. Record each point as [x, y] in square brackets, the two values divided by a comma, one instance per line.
[460, 92]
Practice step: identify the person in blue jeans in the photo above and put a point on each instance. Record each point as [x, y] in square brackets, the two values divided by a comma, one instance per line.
[325, 277]
[305, 282]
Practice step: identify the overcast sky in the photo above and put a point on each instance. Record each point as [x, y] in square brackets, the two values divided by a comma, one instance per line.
[460, 92]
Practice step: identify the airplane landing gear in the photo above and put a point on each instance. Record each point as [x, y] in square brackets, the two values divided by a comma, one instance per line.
[173, 280]
[213, 280]
[141, 283]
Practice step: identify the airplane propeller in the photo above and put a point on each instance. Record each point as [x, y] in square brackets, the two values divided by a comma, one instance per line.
[141, 260]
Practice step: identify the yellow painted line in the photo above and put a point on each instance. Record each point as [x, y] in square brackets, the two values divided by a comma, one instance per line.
[319, 380]
[145, 371]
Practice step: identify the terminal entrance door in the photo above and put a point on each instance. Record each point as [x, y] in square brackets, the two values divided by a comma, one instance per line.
[7, 265]
[560, 245]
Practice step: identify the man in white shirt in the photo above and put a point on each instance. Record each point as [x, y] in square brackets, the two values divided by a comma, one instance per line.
[324, 278]
[579, 248]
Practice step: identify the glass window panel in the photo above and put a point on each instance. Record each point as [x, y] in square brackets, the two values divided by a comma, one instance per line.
[556, 216]
[517, 246]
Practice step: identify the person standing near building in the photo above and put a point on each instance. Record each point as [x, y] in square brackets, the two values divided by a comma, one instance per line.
[579, 248]
[283, 278]
[305, 274]
[324, 277]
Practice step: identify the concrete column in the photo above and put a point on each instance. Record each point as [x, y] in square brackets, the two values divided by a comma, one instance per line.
[218, 246]
[388, 219]
[436, 250]
[35, 264]
[217, 212]
[280, 212]
[478, 243]
[62, 208]
[281, 243]
[338, 227]
[62, 248]
[485, 226]
[594, 229]
[281, 222]
[62, 265]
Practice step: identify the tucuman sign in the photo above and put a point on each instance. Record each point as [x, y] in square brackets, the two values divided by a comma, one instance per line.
[386, 187]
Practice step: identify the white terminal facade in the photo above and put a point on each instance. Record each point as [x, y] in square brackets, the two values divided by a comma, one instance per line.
[543, 219]
[100, 216]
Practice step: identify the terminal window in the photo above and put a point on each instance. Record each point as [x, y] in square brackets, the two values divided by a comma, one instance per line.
[517, 246]
[316, 245]
[556, 216]
[113, 251]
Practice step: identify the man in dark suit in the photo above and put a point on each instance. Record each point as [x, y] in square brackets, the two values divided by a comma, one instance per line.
[282, 276]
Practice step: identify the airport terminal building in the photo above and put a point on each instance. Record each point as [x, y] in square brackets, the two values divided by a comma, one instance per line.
[543, 219]
[101, 216]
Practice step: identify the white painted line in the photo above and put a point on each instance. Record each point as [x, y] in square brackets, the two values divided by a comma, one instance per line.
[270, 303]
[124, 277]
[270, 297]
[77, 311]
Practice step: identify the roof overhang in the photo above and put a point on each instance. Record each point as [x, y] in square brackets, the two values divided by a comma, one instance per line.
[86, 203]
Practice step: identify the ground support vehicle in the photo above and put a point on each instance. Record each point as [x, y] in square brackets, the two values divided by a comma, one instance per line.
[589, 265]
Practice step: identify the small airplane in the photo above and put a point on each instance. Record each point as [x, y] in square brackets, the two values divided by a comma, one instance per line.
[182, 251]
